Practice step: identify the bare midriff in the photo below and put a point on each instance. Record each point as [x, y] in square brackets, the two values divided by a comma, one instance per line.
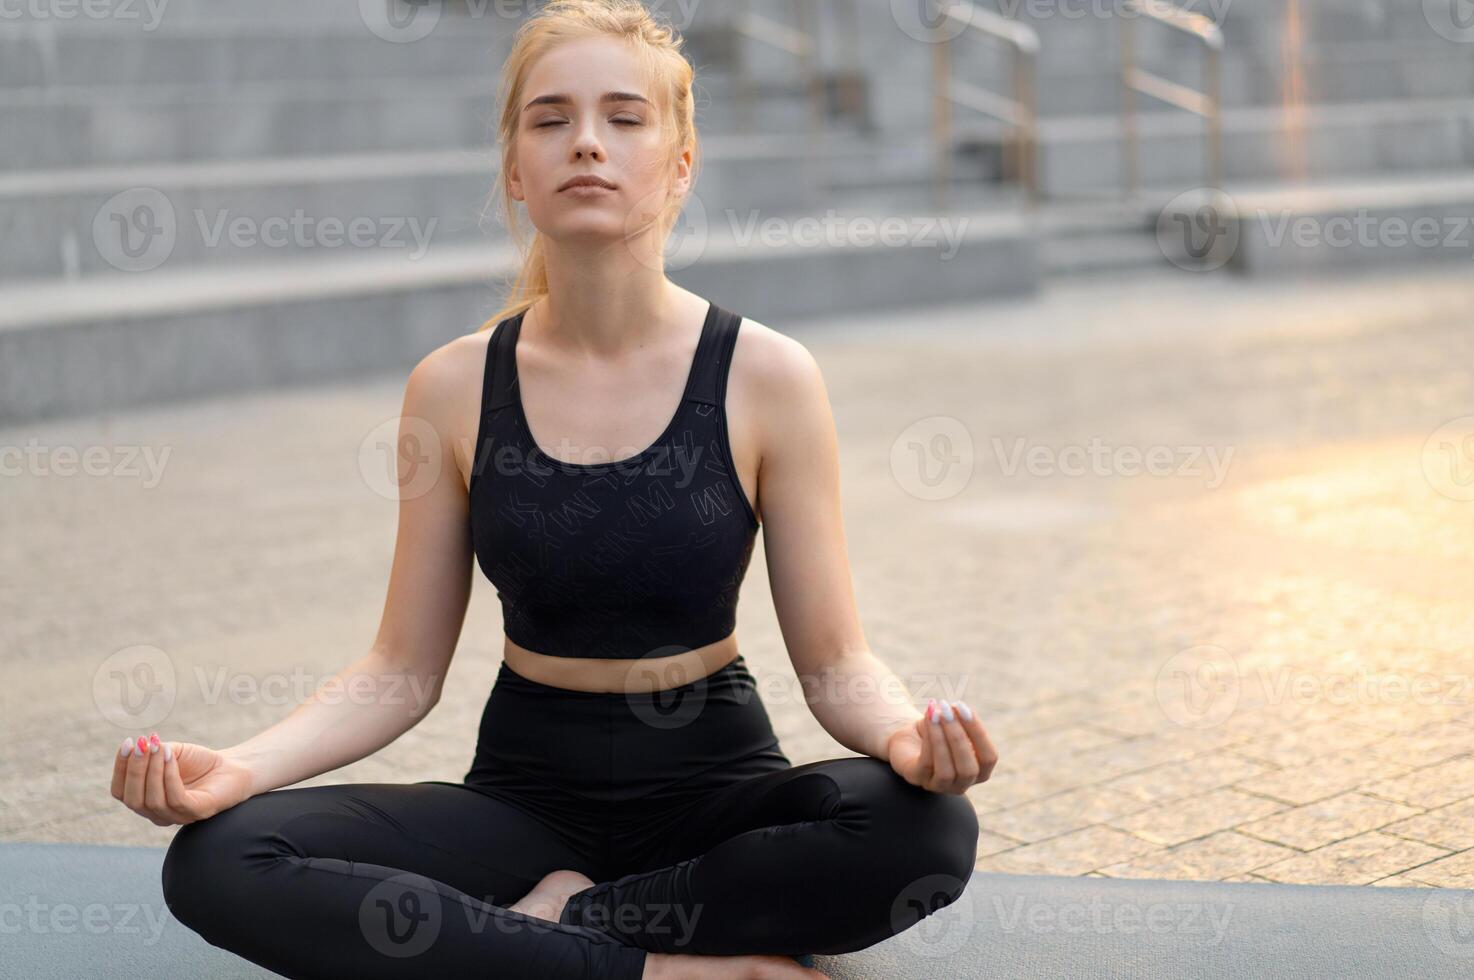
[621, 676]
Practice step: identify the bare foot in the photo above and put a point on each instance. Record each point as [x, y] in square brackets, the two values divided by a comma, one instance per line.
[547, 898]
[665, 966]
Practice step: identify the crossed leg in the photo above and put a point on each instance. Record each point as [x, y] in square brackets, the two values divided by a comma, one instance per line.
[827, 857]
[384, 880]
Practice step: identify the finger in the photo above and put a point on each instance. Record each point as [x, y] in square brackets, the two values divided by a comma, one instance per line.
[133, 782]
[120, 768]
[987, 754]
[175, 795]
[943, 772]
[153, 784]
[964, 755]
[153, 781]
[923, 729]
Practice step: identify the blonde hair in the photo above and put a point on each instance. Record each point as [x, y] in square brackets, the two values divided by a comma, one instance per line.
[658, 47]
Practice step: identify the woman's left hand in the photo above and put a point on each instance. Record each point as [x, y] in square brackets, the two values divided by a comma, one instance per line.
[942, 755]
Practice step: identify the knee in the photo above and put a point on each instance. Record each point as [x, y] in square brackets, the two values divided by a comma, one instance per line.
[934, 835]
[197, 868]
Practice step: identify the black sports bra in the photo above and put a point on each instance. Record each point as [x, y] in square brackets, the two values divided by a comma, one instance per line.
[637, 557]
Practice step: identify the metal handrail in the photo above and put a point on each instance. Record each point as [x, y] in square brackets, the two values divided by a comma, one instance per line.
[801, 42]
[1208, 103]
[1021, 112]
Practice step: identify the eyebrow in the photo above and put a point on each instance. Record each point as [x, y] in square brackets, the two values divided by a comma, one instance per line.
[563, 98]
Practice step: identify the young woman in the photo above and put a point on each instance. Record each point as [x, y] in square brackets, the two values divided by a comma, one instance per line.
[629, 812]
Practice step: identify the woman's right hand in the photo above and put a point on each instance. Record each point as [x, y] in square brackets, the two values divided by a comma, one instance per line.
[177, 782]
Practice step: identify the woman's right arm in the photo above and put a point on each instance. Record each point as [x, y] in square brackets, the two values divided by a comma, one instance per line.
[384, 693]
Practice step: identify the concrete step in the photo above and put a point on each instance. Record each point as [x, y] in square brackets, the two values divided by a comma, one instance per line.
[1329, 226]
[86, 221]
[115, 340]
[91, 126]
[1084, 155]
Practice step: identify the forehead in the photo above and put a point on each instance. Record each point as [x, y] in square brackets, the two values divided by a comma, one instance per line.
[586, 68]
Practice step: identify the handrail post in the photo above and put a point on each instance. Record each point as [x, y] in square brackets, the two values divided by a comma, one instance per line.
[1215, 117]
[941, 62]
[1129, 137]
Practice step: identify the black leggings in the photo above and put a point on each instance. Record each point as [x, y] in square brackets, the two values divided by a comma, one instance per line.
[700, 834]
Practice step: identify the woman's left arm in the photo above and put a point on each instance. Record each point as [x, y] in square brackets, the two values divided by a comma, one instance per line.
[850, 691]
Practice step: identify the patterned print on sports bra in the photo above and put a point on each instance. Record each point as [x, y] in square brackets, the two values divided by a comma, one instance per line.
[638, 557]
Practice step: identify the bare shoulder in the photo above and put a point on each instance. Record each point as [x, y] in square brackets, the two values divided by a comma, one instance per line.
[444, 389]
[772, 365]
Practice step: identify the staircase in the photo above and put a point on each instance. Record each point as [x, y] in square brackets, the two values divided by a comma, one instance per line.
[230, 196]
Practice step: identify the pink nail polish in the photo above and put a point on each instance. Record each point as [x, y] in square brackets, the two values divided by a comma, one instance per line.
[142, 745]
[964, 711]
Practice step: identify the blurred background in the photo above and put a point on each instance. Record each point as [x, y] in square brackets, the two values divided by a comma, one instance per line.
[1147, 328]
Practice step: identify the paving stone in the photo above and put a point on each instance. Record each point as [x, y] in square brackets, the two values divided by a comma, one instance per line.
[1326, 776]
[1431, 786]
[1454, 871]
[1061, 813]
[1182, 820]
[1224, 856]
[1357, 860]
[1449, 826]
[1327, 821]
[1070, 854]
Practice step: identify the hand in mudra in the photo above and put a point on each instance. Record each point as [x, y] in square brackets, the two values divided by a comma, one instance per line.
[177, 782]
[942, 755]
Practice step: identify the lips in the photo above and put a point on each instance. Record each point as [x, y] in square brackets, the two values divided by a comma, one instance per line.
[587, 180]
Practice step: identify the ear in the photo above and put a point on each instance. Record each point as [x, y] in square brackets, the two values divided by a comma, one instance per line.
[682, 184]
[514, 181]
